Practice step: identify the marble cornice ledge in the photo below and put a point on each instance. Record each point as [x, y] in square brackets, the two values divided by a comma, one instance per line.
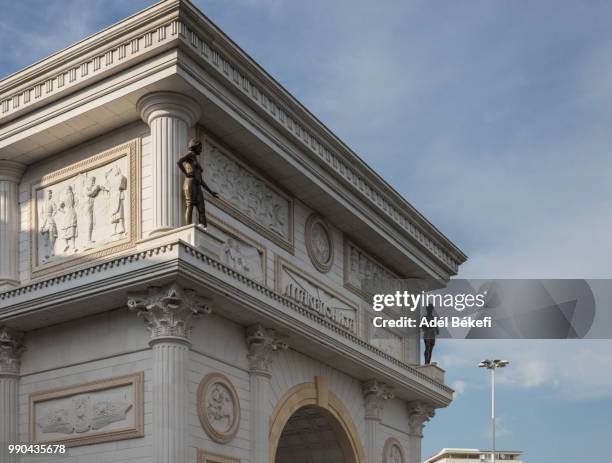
[178, 24]
[178, 259]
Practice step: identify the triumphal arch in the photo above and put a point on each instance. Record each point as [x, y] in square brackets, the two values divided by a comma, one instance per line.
[127, 334]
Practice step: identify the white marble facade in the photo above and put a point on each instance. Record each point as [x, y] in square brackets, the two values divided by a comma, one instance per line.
[130, 336]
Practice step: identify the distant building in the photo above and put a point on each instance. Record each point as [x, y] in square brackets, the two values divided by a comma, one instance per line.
[473, 456]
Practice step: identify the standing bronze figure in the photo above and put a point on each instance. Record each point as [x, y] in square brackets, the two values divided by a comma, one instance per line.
[429, 334]
[194, 183]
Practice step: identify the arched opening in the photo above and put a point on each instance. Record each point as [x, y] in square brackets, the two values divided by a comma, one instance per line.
[311, 424]
[313, 434]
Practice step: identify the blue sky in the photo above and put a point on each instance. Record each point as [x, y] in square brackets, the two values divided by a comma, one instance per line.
[493, 118]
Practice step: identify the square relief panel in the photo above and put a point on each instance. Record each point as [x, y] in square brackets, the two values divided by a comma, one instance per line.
[86, 210]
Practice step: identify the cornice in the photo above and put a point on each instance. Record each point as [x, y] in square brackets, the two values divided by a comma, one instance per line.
[177, 23]
[169, 258]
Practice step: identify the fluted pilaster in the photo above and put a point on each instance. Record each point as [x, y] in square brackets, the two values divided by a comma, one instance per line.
[262, 343]
[375, 393]
[10, 175]
[11, 347]
[168, 312]
[171, 117]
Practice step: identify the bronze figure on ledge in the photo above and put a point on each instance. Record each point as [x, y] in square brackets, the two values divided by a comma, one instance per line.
[194, 183]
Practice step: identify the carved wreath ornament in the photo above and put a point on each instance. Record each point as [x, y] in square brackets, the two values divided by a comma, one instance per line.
[218, 407]
[319, 243]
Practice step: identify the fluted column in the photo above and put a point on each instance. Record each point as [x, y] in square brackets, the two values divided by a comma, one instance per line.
[374, 394]
[171, 117]
[10, 175]
[11, 347]
[262, 343]
[168, 312]
[419, 413]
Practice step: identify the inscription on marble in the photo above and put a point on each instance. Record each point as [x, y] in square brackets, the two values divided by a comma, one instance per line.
[314, 297]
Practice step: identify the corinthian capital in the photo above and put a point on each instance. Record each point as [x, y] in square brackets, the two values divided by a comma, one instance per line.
[261, 343]
[419, 413]
[11, 348]
[374, 395]
[168, 310]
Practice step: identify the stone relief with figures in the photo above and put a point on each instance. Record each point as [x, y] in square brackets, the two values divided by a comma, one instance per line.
[84, 413]
[246, 192]
[94, 412]
[388, 342]
[244, 258]
[84, 207]
[359, 266]
[218, 407]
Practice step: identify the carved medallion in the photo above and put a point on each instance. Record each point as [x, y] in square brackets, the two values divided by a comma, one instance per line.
[319, 243]
[393, 452]
[218, 407]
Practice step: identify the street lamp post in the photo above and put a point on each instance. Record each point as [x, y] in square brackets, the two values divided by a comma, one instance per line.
[493, 365]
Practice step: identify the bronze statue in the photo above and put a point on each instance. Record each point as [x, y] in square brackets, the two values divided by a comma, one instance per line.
[429, 334]
[194, 183]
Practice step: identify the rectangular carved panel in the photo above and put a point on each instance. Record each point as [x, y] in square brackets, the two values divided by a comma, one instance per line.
[246, 195]
[359, 266]
[207, 457]
[89, 209]
[315, 296]
[91, 413]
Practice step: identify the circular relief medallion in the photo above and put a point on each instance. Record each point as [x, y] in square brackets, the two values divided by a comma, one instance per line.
[319, 243]
[218, 407]
[393, 452]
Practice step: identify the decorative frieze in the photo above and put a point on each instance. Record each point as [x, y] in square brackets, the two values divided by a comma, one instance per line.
[96, 412]
[319, 243]
[375, 393]
[315, 296]
[168, 310]
[246, 195]
[386, 340]
[239, 252]
[359, 266]
[419, 413]
[11, 348]
[89, 209]
[218, 407]
[262, 343]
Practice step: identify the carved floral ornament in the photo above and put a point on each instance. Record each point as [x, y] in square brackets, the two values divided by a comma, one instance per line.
[319, 243]
[168, 310]
[218, 407]
[419, 413]
[375, 394]
[393, 451]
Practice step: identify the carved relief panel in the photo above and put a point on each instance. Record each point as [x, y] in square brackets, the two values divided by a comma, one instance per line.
[88, 208]
[246, 195]
[319, 243]
[393, 451]
[387, 341]
[315, 296]
[218, 407]
[359, 266]
[90, 413]
[240, 253]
